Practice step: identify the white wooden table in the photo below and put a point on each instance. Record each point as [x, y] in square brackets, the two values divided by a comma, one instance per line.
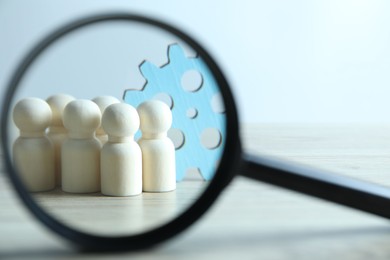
[253, 220]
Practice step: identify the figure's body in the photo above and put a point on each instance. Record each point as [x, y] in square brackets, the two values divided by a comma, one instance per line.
[33, 152]
[121, 157]
[81, 151]
[57, 133]
[158, 151]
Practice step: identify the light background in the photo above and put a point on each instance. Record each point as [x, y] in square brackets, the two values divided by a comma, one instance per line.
[287, 61]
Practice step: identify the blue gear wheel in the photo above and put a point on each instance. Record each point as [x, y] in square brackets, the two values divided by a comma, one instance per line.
[167, 79]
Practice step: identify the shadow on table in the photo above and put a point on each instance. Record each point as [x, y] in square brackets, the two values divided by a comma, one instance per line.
[364, 241]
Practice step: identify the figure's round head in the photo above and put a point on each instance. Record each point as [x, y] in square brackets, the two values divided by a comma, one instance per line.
[120, 120]
[82, 116]
[155, 117]
[103, 102]
[32, 115]
[57, 104]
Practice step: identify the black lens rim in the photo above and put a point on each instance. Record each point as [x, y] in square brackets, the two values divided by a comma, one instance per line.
[230, 160]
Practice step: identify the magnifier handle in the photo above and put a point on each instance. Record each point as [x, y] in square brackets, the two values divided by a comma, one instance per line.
[368, 197]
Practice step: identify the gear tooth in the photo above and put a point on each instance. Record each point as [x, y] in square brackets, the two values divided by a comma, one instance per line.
[147, 68]
[175, 52]
[126, 94]
[129, 92]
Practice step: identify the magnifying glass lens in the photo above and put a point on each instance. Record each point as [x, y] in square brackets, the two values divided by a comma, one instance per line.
[105, 117]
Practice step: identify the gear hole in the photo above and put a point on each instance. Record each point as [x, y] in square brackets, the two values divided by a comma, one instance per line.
[211, 138]
[217, 104]
[177, 137]
[192, 80]
[192, 113]
[164, 97]
[193, 174]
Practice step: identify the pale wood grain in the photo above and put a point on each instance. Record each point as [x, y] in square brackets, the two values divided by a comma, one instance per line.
[253, 220]
[355, 150]
[106, 215]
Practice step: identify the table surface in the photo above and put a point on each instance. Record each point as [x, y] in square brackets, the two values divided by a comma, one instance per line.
[252, 220]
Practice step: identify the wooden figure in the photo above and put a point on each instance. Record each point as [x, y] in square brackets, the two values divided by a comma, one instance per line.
[80, 153]
[57, 133]
[158, 151]
[103, 102]
[121, 157]
[33, 153]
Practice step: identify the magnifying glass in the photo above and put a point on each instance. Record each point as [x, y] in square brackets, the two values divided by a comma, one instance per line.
[132, 59]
